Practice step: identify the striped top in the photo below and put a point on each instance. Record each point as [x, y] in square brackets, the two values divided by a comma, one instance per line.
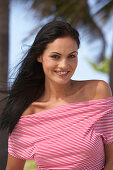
[70, 136]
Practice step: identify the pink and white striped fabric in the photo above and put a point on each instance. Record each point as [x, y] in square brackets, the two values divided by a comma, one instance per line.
[70, 136]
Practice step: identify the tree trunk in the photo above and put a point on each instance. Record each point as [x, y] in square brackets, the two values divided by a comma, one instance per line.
[111, 72]
[4, 39]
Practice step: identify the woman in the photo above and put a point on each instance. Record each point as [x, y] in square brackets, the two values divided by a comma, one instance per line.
[58, 122]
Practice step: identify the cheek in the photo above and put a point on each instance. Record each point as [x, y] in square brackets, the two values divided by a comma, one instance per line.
[48, 65]
[74, 63]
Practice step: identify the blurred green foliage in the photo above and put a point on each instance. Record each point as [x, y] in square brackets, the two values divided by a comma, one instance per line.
[103, 66]
[30, 165]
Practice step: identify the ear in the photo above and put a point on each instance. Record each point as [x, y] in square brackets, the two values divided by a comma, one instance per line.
[39, 59]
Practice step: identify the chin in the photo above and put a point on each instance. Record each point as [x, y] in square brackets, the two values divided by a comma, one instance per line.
[62, 82]
[59, 80]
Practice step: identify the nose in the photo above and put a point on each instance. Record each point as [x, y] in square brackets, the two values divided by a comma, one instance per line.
[63, 64]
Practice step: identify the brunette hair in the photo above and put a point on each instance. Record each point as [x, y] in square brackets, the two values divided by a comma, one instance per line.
[30, 81]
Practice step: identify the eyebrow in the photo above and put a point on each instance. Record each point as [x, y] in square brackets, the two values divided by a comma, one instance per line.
[68, 54]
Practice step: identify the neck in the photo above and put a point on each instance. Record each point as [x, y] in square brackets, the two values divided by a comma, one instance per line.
[55, 92]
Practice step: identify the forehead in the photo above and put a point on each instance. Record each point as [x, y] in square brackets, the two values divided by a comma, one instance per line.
[64, 43]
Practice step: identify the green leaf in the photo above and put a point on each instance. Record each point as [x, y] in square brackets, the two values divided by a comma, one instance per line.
[103, 66]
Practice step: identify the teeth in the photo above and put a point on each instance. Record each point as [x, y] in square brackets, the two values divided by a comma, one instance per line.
[62, 72]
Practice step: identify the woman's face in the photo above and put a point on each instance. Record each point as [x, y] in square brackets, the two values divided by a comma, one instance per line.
[59, 60]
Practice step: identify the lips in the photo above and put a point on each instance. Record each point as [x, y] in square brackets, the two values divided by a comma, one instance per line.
[62, 73]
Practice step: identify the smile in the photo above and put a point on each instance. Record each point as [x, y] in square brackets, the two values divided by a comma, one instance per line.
[62, 73]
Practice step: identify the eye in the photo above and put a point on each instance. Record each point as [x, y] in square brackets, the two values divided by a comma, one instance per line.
[71, 56]
[55, 56]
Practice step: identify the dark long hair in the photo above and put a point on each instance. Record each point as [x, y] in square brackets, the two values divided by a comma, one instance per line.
[30, 81]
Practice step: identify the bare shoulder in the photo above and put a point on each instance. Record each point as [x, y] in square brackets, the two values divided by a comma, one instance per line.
[99, 89]
[95, 89]
[28, 111]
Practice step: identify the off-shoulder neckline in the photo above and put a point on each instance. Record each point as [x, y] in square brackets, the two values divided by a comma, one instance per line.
[87, 102]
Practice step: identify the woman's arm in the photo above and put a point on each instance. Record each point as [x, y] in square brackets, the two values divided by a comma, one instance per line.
[104, 91]
[15, 163]
[108, 156]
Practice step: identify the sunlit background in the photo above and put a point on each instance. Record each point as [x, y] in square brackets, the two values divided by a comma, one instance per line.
[22, 22]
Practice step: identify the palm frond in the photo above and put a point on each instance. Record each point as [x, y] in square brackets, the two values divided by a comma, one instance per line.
[103, 66]
[106, 10]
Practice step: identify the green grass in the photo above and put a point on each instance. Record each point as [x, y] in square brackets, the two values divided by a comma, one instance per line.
[30, 165]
